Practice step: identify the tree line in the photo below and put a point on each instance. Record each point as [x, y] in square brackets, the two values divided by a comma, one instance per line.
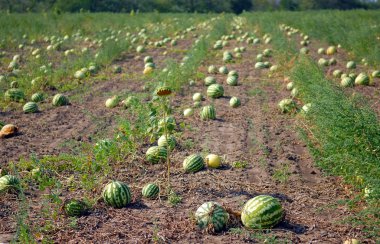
[200, 6]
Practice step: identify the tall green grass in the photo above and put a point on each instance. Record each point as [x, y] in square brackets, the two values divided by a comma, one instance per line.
[343, 135]
[358, 31]
[342, 131]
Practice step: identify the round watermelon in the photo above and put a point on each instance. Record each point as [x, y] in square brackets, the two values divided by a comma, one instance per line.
[232, 80]
[150, 190]
[75, 208]
[235, 102]
[209, 80]
[212, 215]
[60, 100]
[14, 94]
[30, 107]
[156, 154]
[37, 97]
[208, 112]
[215, 91]
[164, 142]
[262, 212]
[193, 163]
[117, 194]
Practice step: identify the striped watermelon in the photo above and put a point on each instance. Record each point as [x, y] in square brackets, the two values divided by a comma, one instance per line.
[164, 142]
[117, 194]
[287, 105]
[235, 102]
[197, 97]
[148, 59]
[8, 181]
[208, 112]
[211, 214]
[14, 84]
[223, 70]
[60, 100]
[212, 69]
[30, 107]
[262, 212]
[260, 65]
[209, 80]
[362, 79]
[75, 208]
[215, 91]
[233, 73]
[156, 154]
[193, 163]
[150, 190]
[37, 97]
[14, 94]
[347, 82]
[232, 80]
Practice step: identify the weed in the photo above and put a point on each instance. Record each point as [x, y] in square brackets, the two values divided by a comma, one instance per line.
[282, 173]
[174, 199]
[239, 164]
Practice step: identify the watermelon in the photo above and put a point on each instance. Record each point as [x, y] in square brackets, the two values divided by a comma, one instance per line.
[304, 50]
[212, 214]
[376, 74]
[75, 208]
[150, 64]
[362, 79]
[212, 69]
[8, 181]
[14, 94]
[188, 112]
[337, 73]
[14, 84]
[37, 97]
[148, 59]
[60, 100]
[351, 65]
[30, 107]
[208, 112]
[235, 102]
[112, 102]
[117, 194]
[140, 49]
[233, 73]
[193, 163]
[223, 70]
[215, 91]
[209, 80]
[150, 190]
[262, 212]
[232, 80]
[156, 154]
[347, 82]
[260, 65]
[163, 142]
[197, 97]
[287, 105]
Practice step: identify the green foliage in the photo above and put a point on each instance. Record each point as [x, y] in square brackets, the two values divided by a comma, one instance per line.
[200, 6]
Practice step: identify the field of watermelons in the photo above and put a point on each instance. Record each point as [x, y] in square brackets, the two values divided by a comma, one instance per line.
[190, 128]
